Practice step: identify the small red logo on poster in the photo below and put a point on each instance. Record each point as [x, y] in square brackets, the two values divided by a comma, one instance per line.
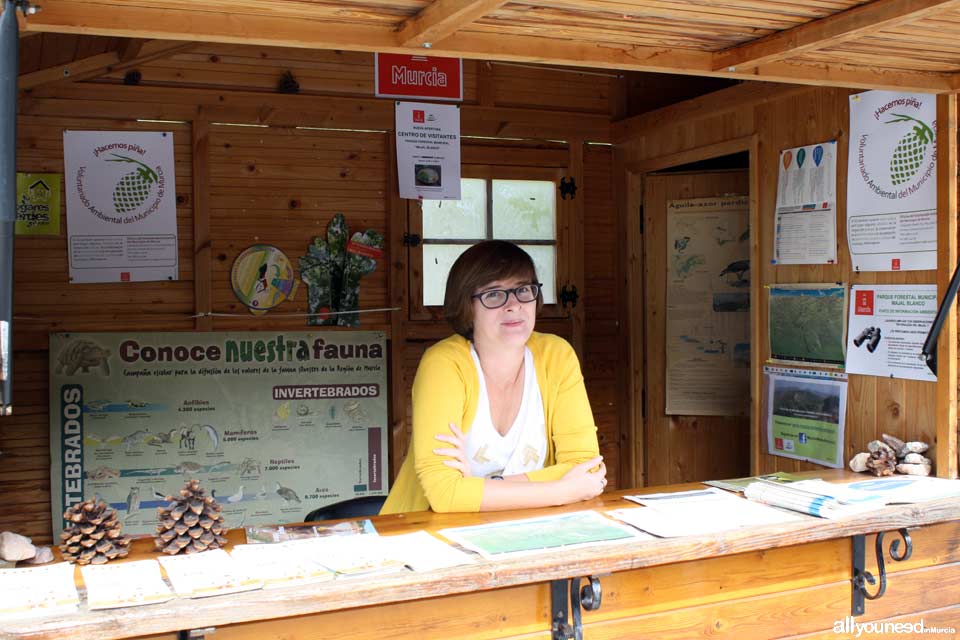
[778, 443]
[418, 115]
[895, 264]
[124, 276]
[864, 303]
[406, 76]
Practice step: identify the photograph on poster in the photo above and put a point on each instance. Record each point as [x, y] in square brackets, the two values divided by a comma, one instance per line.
[805, 414]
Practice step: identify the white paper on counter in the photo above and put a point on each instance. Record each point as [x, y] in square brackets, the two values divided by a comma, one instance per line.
[38, 591]
[124, 584]
[209, 573]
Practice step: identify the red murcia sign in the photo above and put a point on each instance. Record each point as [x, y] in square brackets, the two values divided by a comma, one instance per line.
[403, 76]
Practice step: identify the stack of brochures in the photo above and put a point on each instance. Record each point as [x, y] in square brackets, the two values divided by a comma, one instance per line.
[698, 512]
[815, 497]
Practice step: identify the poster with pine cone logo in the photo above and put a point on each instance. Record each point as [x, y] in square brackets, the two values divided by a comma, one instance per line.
[121, 205]
[892, 181]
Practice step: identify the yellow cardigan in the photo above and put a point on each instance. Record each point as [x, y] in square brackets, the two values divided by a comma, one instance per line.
[446, 389]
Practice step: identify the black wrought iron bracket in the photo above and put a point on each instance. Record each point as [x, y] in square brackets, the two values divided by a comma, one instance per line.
[587, 597]
[862, 577]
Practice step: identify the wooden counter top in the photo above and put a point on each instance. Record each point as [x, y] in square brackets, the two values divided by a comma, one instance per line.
[365, 591]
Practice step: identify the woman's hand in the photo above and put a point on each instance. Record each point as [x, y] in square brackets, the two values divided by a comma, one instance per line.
[458, 453]
[584, 482]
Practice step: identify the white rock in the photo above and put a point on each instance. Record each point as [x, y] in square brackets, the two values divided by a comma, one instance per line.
[858, 462]
[914, 447]
[44, 555]
[916, 458]
[914, 469]
[13, 546]
[876, 445]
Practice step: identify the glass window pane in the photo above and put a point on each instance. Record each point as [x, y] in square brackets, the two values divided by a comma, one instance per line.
[437, 260]
[524, 209]
[545, 260]
[463, 219]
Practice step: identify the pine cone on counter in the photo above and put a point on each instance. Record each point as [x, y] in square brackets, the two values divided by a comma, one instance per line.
[93, 534]
[191, 522]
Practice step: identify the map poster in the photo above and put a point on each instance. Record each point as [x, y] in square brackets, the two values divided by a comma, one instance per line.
[708, 305]
[273, 424]
[805, 413]
[892, 181]
[888, 326]
[121, 205]
[808, 323]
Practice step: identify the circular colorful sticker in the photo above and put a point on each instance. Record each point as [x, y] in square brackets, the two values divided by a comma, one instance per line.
[262, 278]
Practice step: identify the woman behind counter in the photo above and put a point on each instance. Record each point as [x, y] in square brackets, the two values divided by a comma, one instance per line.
[501, 418]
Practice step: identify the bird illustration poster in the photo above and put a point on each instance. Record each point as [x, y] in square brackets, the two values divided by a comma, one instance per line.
[708, 307]
[806, 214]
[121, 206]
[892, 181]
[887, 328]
[273, 425]
[808, 324]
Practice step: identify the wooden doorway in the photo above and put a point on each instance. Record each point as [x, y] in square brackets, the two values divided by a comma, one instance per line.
[683, 448]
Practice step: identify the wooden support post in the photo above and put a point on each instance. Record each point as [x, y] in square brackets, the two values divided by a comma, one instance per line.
[946, 410]
[632, 322]
[574, 240]
[202, 276]
[397, 254]
[756, 311]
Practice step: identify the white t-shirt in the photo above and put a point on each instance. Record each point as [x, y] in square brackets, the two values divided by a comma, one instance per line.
[524, 447]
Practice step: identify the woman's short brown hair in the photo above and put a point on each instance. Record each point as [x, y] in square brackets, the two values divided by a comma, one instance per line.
[478, 266]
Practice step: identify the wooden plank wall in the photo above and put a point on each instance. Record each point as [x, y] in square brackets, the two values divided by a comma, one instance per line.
[279, 185]
[602, 296]
[903, 408]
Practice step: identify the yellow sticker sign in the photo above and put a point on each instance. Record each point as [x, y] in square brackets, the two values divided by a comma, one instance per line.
[38, 204]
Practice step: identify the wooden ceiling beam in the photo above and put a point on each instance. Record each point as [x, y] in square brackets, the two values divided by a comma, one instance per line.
[102, 63]
[170, 21]
[710, 105]
[865, 19]
[443, 18]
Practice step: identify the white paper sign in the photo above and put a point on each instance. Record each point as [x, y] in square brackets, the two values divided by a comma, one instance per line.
[892, 181]
[428, 150]
[887, 328]
[806, 229]
[121, 205]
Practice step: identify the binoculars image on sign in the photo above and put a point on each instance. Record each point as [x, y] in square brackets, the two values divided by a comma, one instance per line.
[870, 335]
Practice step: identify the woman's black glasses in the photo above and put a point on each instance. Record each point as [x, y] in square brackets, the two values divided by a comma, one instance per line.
[496, 298]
